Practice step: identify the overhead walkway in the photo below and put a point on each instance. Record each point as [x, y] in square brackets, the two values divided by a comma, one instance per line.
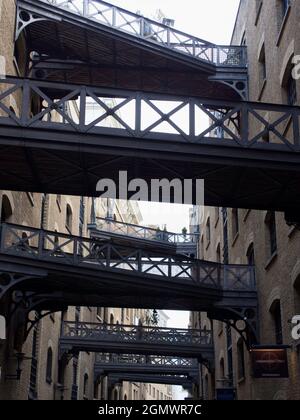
[94, 42]
[144, 236]
[247, 153]
[130, 339]
[62, 269]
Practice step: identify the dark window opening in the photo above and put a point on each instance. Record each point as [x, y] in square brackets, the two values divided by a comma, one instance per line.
[49, 366]
[276, 314]
[271, 226]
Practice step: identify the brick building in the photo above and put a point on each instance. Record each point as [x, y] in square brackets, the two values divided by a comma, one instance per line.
[269, 28]
[42, 376]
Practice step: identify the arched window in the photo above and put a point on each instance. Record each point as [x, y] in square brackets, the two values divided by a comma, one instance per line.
[112, 319]
[85, 386]
[241, 359]
[49, 366]
[96, 390]
[222, 368]
[69, 218]
[276, 314]
[125, 397]
[208, 233]
[219, 254]
[271, 234]
[250, 255]
[235, 222]
[6, 209]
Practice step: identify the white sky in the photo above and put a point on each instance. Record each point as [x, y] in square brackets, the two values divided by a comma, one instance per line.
[212, 20]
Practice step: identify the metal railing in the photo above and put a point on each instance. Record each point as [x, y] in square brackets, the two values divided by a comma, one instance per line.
[143, 232]
[247, 125]
[139, 359]
[60, 248]
[135, 334]
[154, 32]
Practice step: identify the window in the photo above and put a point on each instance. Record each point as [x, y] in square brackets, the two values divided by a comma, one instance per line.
[222, 368]
[96, 390]
[112, 319]
[262, 65]
[235, 222]
[258, 6]
[291, 90]
[276, 314]
[85, 385]
[285, 6]
[208, 235]
[6, 209]
[217, 213]
[49, 366]
[241, 359]
[250, 255]
[272, 237]
[218, 254]
[58, 200]
[69, 218]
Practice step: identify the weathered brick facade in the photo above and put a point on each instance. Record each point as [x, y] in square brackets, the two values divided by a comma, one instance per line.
[272, 36]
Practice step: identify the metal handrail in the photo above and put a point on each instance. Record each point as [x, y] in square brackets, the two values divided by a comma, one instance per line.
[222, 122]
[134, 230]
[155, 32]
[45, 245]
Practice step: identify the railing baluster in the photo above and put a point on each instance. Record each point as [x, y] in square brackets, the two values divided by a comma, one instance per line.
[82, 109]
[25, 107]
[41, 243]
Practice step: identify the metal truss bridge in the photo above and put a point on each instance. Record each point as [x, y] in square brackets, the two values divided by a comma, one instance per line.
[247, 153]
[116, 338]
[147, 237]
[106, 364]
[94, 42]
[53, 270]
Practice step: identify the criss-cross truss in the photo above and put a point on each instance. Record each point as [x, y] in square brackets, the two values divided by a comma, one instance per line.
[107, 364]
[139, 115]
[41, 245]
[116, 338]
[137, 26]
[130, 360]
